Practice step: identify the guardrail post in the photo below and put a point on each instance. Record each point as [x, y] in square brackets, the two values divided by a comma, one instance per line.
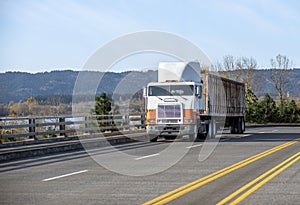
[31, 122]
[143, 120]
[62, 126]
[124, 122]
[2, 130]
[86, 123]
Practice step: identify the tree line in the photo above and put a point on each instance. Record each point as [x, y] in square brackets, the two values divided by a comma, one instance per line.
[38, 106]
[266, 110]
[279, 108]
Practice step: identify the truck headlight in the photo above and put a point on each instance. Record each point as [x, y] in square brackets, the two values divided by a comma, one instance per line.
[188, 120]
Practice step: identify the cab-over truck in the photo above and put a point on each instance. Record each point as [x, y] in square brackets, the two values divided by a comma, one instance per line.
[189, 101]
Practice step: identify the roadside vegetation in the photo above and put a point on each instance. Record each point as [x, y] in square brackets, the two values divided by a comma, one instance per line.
[266, 110]
[281, 107]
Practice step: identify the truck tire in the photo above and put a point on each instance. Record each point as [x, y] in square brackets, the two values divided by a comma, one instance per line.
[243, 125]
[212, 129]
[202, 136]
[193, 137]
[153, 138]
[233, 129]
[238, 126]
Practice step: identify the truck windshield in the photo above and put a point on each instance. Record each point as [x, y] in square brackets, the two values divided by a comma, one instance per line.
[171, 90]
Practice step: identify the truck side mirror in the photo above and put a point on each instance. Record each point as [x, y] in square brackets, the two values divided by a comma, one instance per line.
[199, 91]
[145, 92]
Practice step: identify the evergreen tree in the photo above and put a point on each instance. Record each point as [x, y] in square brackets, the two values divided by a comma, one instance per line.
[269, 109]
[292, 112]
[253, 108]
[103, 105]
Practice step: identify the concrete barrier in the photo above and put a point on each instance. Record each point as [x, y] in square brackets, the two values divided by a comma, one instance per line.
[58, 146]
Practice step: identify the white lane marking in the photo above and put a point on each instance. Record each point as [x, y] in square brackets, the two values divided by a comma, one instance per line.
[261, 132]
[151, 155]
[65, 175]
[198, 145]
[274, 130]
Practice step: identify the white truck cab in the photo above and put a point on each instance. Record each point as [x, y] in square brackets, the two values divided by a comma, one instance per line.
[173, 102]
[180, 103]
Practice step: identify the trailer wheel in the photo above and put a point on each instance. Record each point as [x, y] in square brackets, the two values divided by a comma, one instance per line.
[243, 125]
[238, 126]
[212, 129]
[202, 136]
[233, 129]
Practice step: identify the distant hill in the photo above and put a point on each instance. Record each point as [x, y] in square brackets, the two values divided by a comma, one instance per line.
[262, 83]
[18, 86]
[292, 86]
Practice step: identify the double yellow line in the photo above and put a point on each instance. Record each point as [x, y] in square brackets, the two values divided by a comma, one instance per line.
[202, 181]
[264, 178]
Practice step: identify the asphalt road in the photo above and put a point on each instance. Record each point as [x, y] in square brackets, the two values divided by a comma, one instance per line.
[77, 178]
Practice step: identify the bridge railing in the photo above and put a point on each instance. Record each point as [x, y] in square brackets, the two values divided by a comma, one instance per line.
[40, 127]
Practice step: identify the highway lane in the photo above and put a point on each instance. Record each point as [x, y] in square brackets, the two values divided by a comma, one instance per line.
[230, 180]
[76, 178]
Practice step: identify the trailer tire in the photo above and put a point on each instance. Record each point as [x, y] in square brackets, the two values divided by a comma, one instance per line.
[243, 125]
[233, 129]
[212, 129]
[202, 136]
[153, 138]
[238, 126]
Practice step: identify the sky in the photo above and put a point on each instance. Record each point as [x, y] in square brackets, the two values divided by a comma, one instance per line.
[45, 35]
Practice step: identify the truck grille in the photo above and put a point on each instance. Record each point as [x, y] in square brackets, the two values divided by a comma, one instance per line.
[169, 111]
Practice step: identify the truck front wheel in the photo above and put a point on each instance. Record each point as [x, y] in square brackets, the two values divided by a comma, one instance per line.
[193, 137]
[153, 138]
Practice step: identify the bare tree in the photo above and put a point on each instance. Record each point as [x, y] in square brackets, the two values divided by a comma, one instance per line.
[279, 74]
[248, 67]
[239, 68]
[229, 63]
[226, 66]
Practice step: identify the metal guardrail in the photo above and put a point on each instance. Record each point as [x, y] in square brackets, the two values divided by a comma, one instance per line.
[37, 127]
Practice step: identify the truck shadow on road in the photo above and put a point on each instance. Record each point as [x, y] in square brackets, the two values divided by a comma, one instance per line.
[261, 137]
[72, 155]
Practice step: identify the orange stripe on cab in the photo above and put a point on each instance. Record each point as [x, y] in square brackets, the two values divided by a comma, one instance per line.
[151, 114]
[189, 114]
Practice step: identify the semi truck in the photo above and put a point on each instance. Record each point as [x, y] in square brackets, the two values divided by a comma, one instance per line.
[193, 102]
